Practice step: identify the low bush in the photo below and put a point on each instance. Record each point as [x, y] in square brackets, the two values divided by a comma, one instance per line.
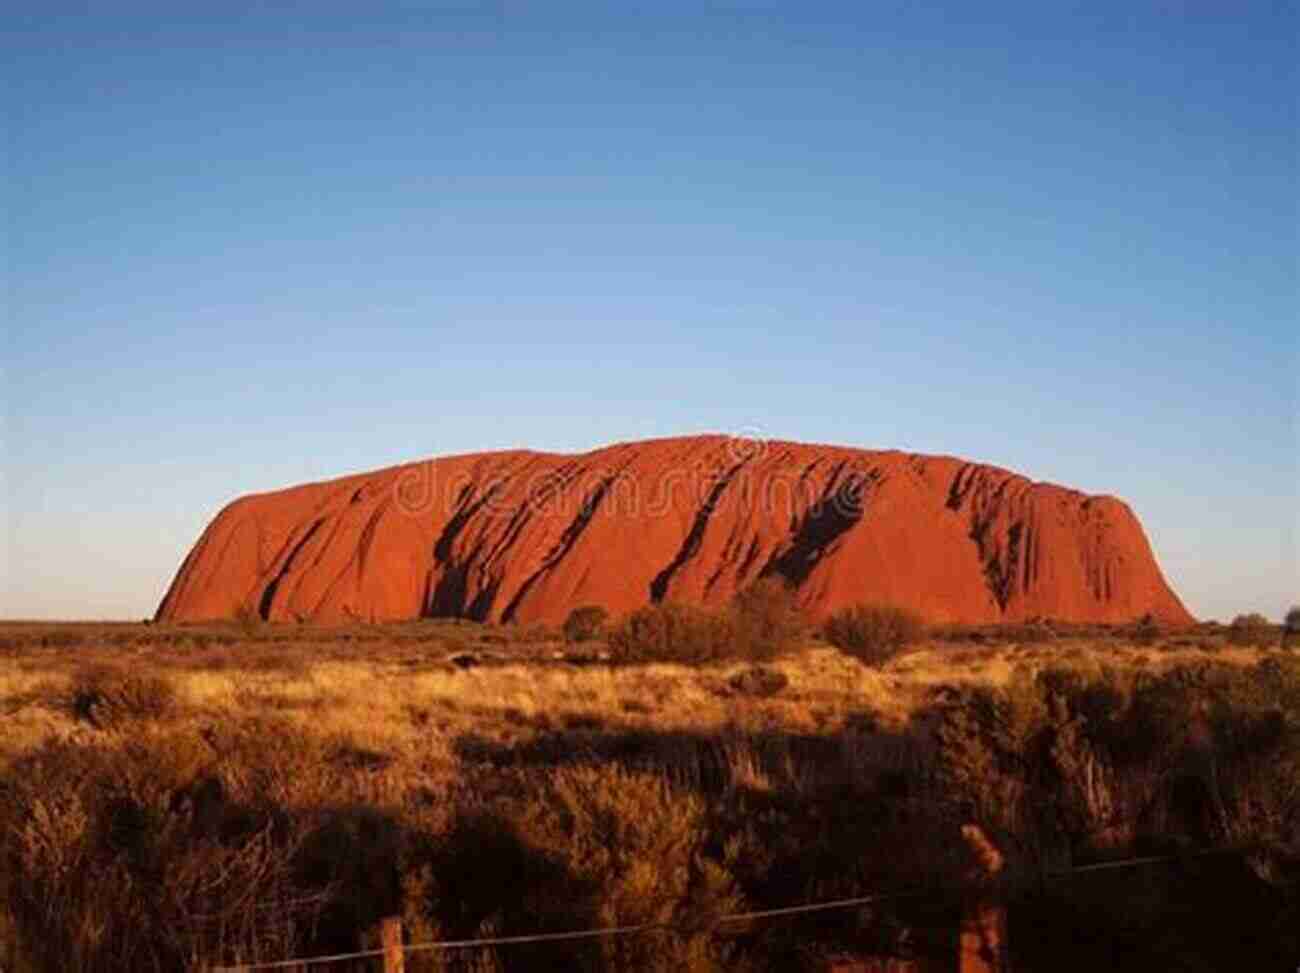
[761, 621]
[1291, 628]
[873, 633]
[1251, 630]
[130, 858]
[766, 619]
[107, 697]
[1145, 631]
[249, 620]
[1078, 764]
[585, 623]
[1031, 632]
[641, 848]
[672, 632]
[536, 633]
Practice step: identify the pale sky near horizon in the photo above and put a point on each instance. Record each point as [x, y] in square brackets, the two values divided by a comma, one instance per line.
[281, 242]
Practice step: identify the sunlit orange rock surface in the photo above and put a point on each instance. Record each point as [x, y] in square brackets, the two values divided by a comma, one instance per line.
[525, 536]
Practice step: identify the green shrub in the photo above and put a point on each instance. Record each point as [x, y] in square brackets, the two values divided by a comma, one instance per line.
[873, 633]
[585, 623]
[1251, 630]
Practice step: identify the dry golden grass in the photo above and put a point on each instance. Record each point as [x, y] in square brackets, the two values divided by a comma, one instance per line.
[394, 691]
[424, 768]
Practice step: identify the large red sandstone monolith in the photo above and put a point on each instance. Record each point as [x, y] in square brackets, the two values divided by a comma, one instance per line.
[524, 536]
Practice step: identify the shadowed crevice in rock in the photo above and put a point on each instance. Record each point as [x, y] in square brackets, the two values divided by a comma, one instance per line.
[1000, 568]
[565, 544]
[466, 509]
[836, 512]
[659, 587]
[962, 482]
[268, 595]
[451, 589]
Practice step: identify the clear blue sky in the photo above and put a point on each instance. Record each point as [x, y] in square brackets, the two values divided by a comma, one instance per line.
[284, 242]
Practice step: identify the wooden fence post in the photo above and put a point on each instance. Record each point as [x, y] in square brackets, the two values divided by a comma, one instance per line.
[390, 937]
[982, 940]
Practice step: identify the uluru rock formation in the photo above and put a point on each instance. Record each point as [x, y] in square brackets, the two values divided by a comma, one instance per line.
[526, 536]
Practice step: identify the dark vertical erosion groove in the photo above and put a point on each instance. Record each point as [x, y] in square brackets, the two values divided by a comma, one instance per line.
[1029, 563]
[840, 507]
[268, 594]
[448, 596]
[364, 542]
[1001, 571]
[367, 539]
[958, 489]
[1001, 567]
[465, 510]
[563, 545]
[730, 555]
[659, 586]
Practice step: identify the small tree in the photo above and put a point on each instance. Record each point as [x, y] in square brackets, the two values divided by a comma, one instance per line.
[1293, 619]
[874, 634]
[1291, 628]
[1252, 629]
[585, 623]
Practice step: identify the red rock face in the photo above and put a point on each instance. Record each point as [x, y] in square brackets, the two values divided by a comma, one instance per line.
[524, 536]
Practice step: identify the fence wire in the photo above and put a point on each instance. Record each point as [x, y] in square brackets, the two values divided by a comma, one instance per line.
[660, 927]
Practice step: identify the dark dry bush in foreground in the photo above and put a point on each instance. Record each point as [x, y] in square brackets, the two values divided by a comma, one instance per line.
[107, 696]
[873, 634]
[125, 856]
[180, 845]
[1076, 767]
[581, 847]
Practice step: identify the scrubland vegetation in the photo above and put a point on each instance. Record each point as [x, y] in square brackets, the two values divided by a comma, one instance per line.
[174, 797]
